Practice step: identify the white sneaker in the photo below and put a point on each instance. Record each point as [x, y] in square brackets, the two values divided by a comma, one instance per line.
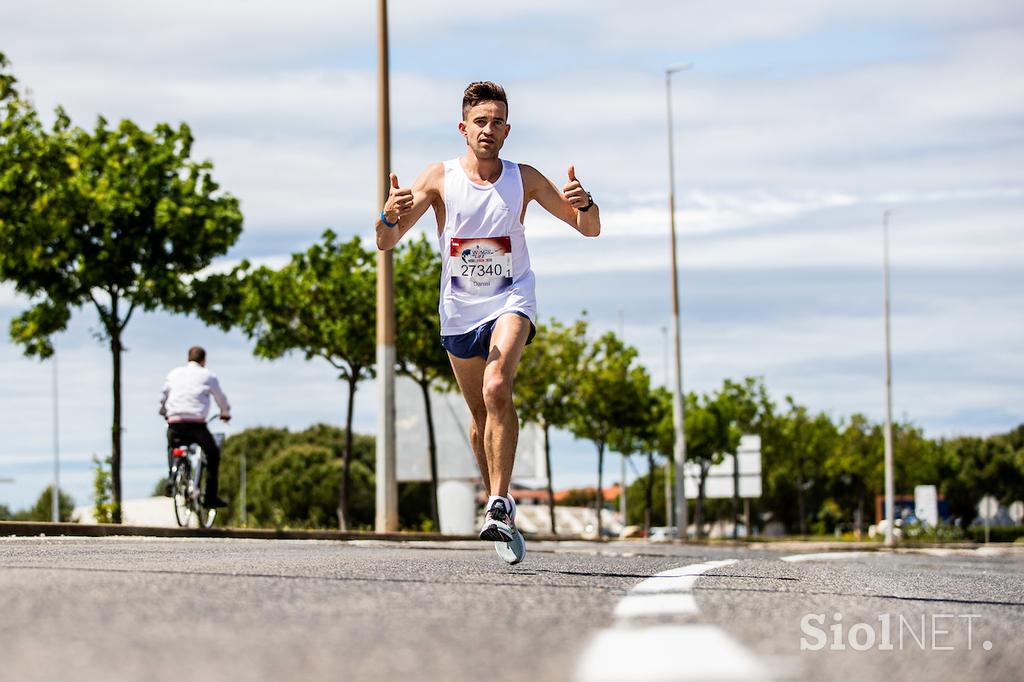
[512, 552]
[499, 523]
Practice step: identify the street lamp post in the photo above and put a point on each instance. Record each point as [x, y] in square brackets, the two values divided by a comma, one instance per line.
[678, 415]
[387, 486]
[55, 497]
[668, 467]
[889, 483]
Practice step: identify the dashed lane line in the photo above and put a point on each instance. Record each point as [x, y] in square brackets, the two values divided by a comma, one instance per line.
[829, 556]
[634, 650]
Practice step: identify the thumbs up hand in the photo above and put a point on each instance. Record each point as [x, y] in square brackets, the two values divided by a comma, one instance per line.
[574, 193]
[399, 201]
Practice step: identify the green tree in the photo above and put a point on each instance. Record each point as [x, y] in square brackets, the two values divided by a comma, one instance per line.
[855, 466]
[709, 436]
[609, 395]
[43, 508]
[418, 349]
[982, 466]
[296, 487]
[261, 444]
[546, 384]
[807, 441]
[657, 436]
[746, 406]
[104, 507]
[321, 304]
[113, 218]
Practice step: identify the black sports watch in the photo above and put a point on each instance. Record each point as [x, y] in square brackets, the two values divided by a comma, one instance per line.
[590, 202]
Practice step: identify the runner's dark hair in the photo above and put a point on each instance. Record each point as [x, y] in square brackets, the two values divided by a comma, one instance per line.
[196, 354]
[483, 91]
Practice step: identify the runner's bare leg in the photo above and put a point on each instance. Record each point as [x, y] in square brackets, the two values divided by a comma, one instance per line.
[493, 388]
[469, 372]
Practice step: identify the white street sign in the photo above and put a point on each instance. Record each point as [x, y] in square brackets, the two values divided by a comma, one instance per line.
[720, 482]
[1017, 511]
[988, 507]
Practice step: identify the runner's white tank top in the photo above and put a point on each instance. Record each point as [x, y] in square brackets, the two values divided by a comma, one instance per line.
[485, 265]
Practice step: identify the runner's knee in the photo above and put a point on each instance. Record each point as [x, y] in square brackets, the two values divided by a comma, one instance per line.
[497, 393]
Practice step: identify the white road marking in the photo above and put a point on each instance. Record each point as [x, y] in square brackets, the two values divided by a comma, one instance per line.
[667, 593]
[656, 605]
[634, 652]
[667, 653]
[829, 556]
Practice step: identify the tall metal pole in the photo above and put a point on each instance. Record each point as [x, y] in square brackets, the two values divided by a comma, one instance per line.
[55, 501]
[890, 537]
[622, 476]
[668, 467]
[678, 414]
[387, 482]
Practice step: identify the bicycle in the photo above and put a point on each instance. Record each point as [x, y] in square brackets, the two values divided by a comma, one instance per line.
[188, 481]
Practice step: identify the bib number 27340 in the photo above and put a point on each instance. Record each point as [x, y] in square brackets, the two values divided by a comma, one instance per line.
[481, 267]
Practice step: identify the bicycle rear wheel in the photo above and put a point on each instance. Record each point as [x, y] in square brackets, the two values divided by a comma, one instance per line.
[205, 516]
[181, 482]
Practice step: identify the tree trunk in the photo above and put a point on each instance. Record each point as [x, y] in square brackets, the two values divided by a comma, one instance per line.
[649, 504]
[735, 495]
[669, 482]
[432, 450]
[800, 501]
[860, 515]
[698, 514]
[343, 495]
[599, 494]
[551, 492]
[115, 453]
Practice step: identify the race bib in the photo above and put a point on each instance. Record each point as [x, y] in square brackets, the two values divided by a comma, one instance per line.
[481, 267]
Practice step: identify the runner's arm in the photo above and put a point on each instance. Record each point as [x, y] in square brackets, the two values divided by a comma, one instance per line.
[406, 206]
[565, 206]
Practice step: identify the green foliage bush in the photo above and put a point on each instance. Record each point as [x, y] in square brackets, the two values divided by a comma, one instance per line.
[42, 510]
[277, 449]
[996, 533]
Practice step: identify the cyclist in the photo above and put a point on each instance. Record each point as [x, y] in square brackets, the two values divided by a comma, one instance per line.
[185, 403]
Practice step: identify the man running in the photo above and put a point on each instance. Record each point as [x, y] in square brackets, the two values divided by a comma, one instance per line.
[184, 403]
[487, 304]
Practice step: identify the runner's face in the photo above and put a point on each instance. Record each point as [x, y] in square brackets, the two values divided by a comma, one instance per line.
[485, 129]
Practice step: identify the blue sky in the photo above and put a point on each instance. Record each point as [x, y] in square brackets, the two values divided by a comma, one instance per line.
[800, 124]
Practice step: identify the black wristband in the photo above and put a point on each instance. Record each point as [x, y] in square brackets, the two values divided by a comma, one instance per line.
[590, 202]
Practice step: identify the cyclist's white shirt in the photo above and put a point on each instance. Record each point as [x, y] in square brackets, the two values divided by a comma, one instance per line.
[485, 264]
[186, 394]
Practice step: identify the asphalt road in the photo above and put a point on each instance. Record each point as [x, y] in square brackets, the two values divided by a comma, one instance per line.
[117, 609]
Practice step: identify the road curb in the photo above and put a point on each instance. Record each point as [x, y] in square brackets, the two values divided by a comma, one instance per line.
[49, 529]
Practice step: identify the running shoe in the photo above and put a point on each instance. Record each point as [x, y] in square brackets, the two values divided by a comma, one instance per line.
[499, 524]
[512, 552]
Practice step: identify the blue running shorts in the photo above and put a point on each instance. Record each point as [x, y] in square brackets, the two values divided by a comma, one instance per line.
[477, 342]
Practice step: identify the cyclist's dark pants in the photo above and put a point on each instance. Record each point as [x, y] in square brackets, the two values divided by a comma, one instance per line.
[185, 433]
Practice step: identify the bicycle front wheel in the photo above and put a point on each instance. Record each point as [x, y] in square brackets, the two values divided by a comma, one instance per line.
[181, 483]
